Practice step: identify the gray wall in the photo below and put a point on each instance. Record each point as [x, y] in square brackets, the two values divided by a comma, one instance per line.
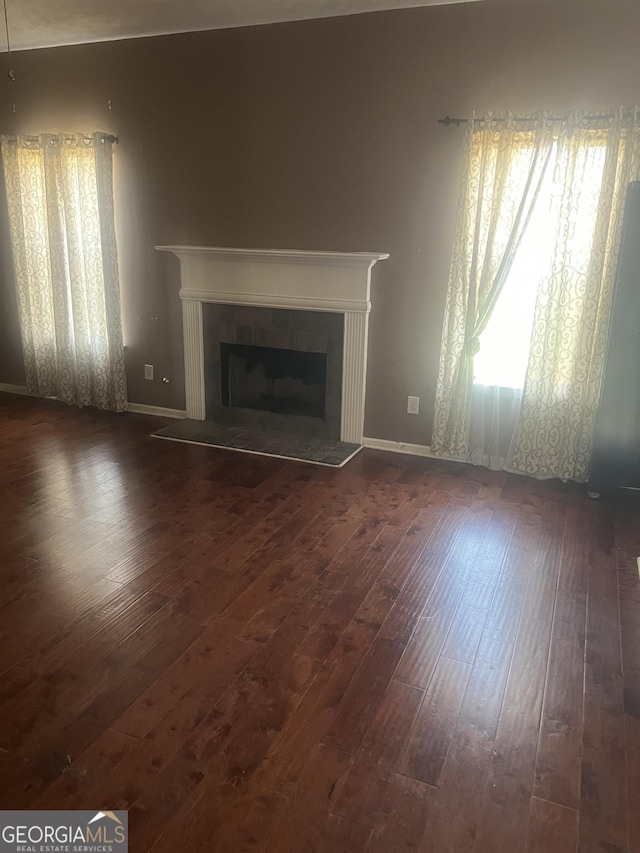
[312, 135]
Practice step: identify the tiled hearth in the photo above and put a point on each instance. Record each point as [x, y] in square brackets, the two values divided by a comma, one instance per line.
[276, 443]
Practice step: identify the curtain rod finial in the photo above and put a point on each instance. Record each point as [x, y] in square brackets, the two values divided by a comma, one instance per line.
[447, 120]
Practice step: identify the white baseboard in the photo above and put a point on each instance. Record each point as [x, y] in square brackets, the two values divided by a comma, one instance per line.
[136, 408]
[14, 389]
[397, 446]
[158, 411]
[409, 449]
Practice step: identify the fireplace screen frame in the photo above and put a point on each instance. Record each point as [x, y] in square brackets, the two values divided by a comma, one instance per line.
[285, 381]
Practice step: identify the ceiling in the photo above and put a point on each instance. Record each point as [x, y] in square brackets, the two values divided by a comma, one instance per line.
[43, 23]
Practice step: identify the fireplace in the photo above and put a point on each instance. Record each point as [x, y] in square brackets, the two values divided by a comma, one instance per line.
[314, 302]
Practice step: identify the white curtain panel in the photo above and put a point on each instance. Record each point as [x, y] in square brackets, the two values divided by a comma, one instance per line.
[505, 164]
[59, 191]
[545, 426]
[555, 429]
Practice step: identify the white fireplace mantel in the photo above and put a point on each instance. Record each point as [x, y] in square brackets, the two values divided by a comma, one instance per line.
[279, 278]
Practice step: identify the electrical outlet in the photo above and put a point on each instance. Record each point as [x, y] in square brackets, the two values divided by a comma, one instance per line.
[413, 405]
[148, 371]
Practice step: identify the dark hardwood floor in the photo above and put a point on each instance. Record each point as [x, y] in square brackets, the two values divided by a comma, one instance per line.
[251, 654]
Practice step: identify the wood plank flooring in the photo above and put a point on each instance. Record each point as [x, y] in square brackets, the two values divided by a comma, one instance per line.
[256, 655]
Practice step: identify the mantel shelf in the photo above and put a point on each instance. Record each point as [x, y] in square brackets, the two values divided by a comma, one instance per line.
[280, 256]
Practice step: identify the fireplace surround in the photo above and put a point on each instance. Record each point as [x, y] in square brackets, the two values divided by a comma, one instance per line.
[280, 334]
[294, 280]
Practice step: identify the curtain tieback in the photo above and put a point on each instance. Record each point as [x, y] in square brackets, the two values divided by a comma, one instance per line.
[472, 346]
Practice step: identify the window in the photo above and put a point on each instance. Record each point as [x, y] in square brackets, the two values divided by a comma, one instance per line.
[505, 342]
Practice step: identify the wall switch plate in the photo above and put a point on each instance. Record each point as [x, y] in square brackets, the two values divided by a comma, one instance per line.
[413, 405]
[148, 371]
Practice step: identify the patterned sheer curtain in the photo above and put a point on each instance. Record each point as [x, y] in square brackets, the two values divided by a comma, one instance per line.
[576, 218]
[555, 429]
[505, 166]
[59, 191]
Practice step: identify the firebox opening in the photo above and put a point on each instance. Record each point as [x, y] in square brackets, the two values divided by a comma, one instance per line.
[273, 380]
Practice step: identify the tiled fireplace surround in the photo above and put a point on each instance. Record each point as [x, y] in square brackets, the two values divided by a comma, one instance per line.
[278, 328]
[284, 299]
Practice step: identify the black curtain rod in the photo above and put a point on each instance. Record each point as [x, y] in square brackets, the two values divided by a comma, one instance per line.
[447, 120]
[108, 137]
